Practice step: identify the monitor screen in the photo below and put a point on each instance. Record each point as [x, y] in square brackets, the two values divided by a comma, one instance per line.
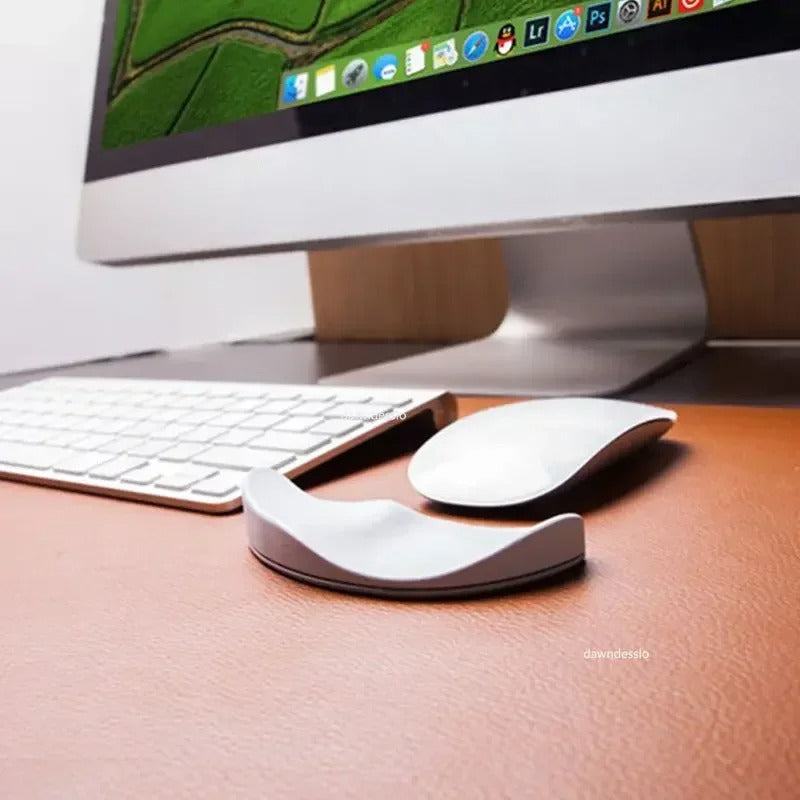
[181, 80]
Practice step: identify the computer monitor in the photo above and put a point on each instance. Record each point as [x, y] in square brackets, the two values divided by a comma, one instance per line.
[224, 127]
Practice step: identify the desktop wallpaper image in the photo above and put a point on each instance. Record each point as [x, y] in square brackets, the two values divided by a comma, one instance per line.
[181, 66]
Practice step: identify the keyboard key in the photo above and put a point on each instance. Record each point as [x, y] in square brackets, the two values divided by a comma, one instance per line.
[198, 417]
[283, 394]
[157, 401]
[363, 411]
[92, 442]
[151, 448]
[165, 415]
[31, 456]
[264, 421]
[215, 404]
[104, 410]
[135, 398]
[182, 452]
[131, 413]
[337, 427]
[83, 409]
[12, 412]
[54, 422]
[183, 402]
[114, 426]
[396, 402]
[142, 477]
[184, 478]
[318, 395]
[236, 437]
[243, 458]
[83, 462]
[219, 485]
[69, 422]
[230, 419]
[92, 398]
[122, 445]
[14, 418]
[203, 435]
[311, 409]
[277, 406]
[64, 439]
[291, 442]
[31, 435]
[116, 468]
[49, 420]
[245, 405]
[354, 397]
[298, 424]
[84, 424]
[145, 428]
[188, 390]
[173, 431]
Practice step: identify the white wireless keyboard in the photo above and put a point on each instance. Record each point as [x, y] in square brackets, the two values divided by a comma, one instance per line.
[185, 443]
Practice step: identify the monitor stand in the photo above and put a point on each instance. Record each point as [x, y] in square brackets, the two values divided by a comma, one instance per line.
[592, 311]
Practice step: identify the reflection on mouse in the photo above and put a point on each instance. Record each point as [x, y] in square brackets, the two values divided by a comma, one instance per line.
[380, 547]
[516, 453]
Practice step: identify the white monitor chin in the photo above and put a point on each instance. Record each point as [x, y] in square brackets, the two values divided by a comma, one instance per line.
[643, 147]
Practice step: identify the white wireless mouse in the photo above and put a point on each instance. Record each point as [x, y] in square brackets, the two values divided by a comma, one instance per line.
[380, 547]
[517, 453]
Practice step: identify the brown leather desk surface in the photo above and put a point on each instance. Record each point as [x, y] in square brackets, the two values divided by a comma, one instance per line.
[144, 653]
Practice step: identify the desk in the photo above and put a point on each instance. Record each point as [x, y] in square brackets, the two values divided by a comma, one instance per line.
[144, 653]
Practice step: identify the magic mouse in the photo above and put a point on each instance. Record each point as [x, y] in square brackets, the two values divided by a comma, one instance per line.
[516, 453]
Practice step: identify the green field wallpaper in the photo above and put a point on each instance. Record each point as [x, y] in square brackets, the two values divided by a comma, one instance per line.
[181, 66]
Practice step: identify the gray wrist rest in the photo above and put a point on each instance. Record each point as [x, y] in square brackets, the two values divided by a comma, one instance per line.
[380, 547]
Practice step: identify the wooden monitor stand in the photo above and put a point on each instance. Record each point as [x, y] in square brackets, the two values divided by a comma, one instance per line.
[592, 311]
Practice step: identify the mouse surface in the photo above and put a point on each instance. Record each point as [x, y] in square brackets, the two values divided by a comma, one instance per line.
[516, 453]
[380, 547]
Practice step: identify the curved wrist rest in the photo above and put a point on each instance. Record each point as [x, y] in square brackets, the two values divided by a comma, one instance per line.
[382, 548]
